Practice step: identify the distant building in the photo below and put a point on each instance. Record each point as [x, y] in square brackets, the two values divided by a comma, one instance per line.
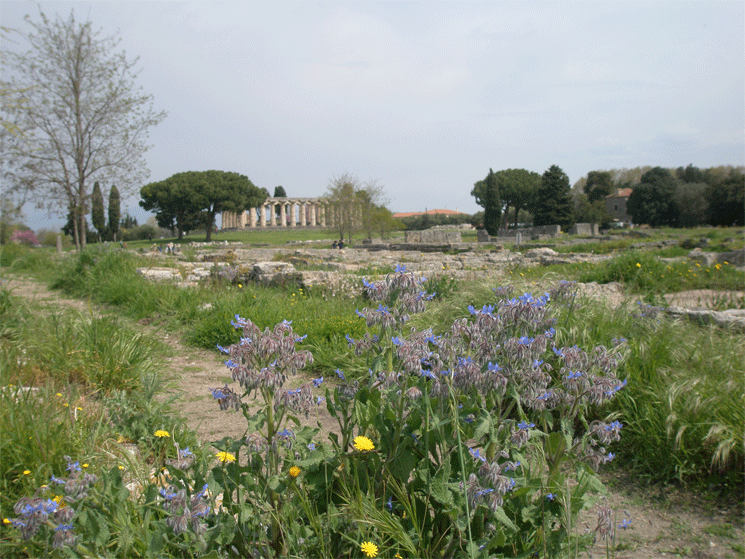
[615, 205]
[428, 212]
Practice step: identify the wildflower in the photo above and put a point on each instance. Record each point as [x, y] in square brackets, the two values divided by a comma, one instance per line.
[625, 523]
[551, 496]
[6, 521]
[311, 446]
[369, 549]
[340, 374]
[364, 444]
[638, 265]
[317, 382]
[294, 471]
[225, 457]
[26, 472]
[161, 434]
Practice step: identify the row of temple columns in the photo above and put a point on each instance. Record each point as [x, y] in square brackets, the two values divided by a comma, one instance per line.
[293, 212]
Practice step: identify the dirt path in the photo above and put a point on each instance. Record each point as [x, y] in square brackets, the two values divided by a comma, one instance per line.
[663, 522]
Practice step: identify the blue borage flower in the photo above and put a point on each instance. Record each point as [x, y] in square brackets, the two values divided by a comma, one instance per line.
[493, 367]
[64, 527]
[572, 375]
[350, 340]
[551, 496]
[311, 446]
[389, 503]
[476, 453]
[625, 523]
[558, 352]
[537, 363]
[526, 340]
[524, 425]
[340, 374]
[217, 393]
[400, 268]
[223, 349]
[73, 466]
[486, 309]
[317, 382]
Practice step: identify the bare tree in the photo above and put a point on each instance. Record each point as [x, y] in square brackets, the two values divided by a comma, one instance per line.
[80, 117]
[353, 204]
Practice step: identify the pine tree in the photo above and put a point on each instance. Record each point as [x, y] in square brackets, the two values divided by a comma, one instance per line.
[98, 219]
[114, 210]
[554, 204]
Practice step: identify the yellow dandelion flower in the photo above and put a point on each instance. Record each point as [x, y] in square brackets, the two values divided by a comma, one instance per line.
[294, 471]
[26, 472]
[59, 394]
[161, 434]
[363, 444]
[67, 405]
[638, 265]
[79, 408]
[85, 465]
[398, 556]
[6, 521]
[121, 467]
[225, 457]
[369, 549]
[240, 286]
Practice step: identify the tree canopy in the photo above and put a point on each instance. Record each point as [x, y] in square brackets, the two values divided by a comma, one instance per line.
[517, 189]
[652, 200]
[79, 116]
[186, 199]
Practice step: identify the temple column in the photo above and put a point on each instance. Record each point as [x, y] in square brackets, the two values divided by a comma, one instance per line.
[312, 209]
[252, 217]
[282, 215]
[293, 214]
[303, 210]
[262, 215]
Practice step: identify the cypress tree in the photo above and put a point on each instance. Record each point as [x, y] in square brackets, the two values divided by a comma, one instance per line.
[492, 205]
[114, 210]
[98, 219]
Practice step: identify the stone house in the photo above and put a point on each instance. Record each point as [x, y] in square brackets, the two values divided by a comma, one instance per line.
[615, 204]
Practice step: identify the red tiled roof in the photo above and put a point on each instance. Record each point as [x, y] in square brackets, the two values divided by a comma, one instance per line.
[428, 212]
[620, 193]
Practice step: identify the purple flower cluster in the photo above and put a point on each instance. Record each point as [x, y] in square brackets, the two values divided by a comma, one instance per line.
[184, 511]
[35, 512]
[263, 360]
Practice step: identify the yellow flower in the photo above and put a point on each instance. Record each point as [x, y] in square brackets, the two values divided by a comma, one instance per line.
[365, 444]
[121, 467]
[294, 471]
[85, 465]
[26, 472]
[79, 408]
[240, 286]
[398, 556]
[225, 457]
[161, 434]
[369, 549]
[638, 265]
[59, 394]
[6, 521]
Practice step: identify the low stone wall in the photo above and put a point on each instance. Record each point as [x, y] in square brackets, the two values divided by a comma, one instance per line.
[432, 237]
[541, 232]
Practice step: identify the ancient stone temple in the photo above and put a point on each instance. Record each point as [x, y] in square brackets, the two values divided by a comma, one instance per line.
[282, 212]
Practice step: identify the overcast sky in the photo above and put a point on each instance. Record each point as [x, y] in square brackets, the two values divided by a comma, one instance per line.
[425, 97]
